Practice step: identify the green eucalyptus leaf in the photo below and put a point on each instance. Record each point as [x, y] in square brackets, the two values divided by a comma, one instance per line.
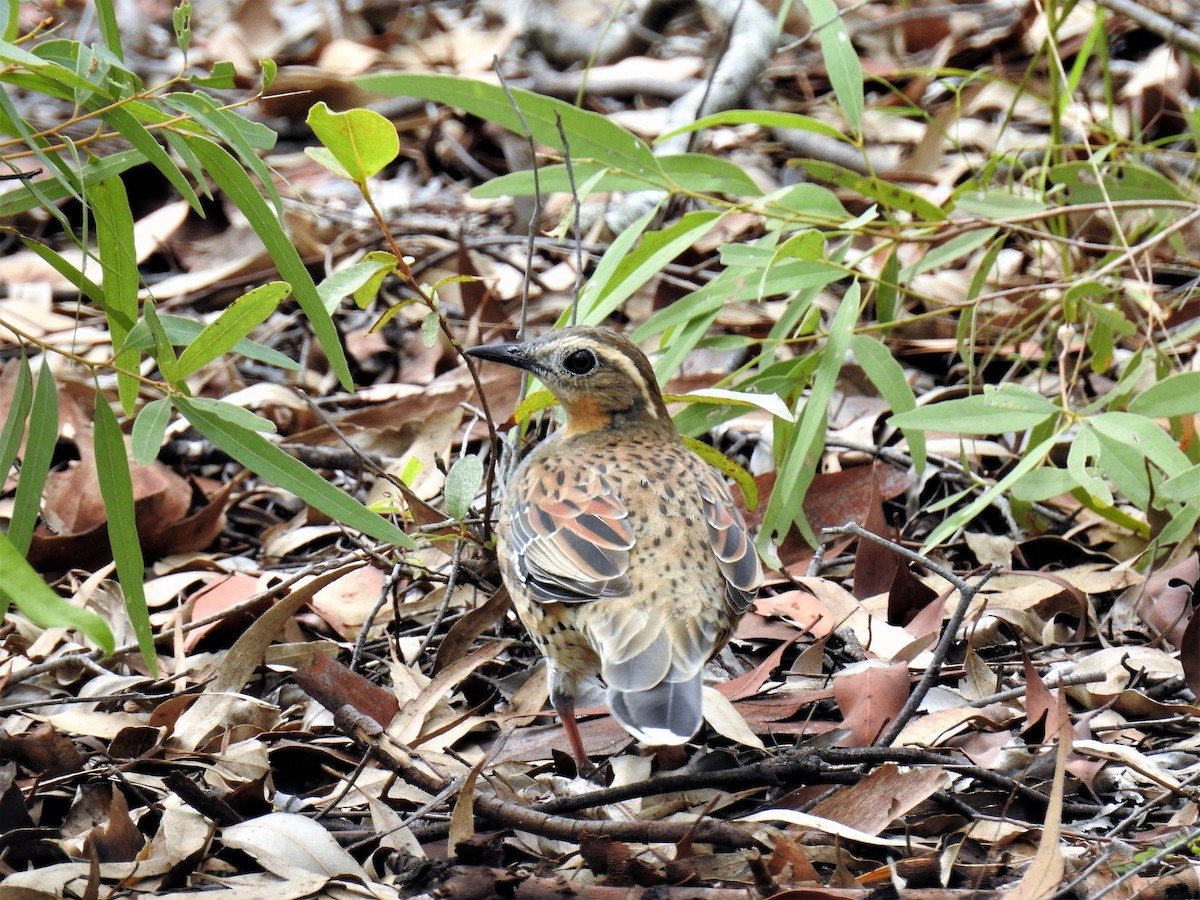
[148, 430]
[1175, 395]
[463, 482]
[116, 489]
[114, 238]
[590, 135]
[35, 464]
[23, 587]
[237, 185]
[995, 411]
[20, 402]
[361, 141]
[234, 323]
[263, 458]
[841, 62]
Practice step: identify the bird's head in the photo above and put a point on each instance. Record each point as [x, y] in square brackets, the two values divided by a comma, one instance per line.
[601, 378]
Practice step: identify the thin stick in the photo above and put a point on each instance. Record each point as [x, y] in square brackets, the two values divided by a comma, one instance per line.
[966, 593]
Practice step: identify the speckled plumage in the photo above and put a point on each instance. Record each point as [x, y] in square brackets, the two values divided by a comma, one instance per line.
[623, 551]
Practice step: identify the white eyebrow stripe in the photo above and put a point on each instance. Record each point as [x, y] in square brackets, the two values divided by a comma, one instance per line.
[626, 365]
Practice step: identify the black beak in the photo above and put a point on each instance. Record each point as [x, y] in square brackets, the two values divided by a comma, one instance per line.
[509, 354]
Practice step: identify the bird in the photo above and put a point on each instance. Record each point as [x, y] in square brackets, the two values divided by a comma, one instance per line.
[624, 553]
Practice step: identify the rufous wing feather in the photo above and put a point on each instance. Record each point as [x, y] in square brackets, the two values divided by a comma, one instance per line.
[570, 542]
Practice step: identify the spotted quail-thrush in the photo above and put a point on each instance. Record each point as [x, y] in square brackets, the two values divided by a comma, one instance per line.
[623, 551]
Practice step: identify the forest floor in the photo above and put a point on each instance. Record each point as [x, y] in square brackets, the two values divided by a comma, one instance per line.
[336, 717]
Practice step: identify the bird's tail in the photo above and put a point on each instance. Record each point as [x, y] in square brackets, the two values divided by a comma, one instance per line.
[671, 712]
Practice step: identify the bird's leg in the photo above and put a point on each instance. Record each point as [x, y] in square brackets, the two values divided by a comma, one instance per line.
[566, 713]
[562, 698]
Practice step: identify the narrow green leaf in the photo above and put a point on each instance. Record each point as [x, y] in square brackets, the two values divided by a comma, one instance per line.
[811, 203]
[841, 62]
[190, 162]
[23, 586]
[221, 77]
[14, 425]
[694, 172]
[996, 411]
[606, 269]
[247, 139]
[889, 379]
[235, 415]
[709, 174]
[1175, 395]
[36, 193]
[82, 283]
[600, 298]
[951, 251]
[53, 71]
[363, 278]
[148, 430]
[535, 402]
[236, 321]
[1183, 487]
[1122, 181]
[680, 342]
[1043, 484]
[1180, 527]
[1124, 464]
[764, 117]
[887, 292]
[1145, 436]
[44, 193]
[430, 326]
[888, 194]
[463, 482]
[114, 238]
[591, 135]
[35, 465]
[803, 456]
[360, 140]
[181, 331]
[738, 284]
[237, 185]
[116, 489]
[110, 33]
[10, 21]
[1083, 450]
[164, 353]
[121, 119]
[1032, 459]
[181, 23]
[263, 458]
[997, 204]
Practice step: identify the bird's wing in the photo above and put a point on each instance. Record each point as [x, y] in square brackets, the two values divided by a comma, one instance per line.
[569, 542]
[730, 541]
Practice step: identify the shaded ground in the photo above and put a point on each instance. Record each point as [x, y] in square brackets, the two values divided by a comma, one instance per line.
[333, 717]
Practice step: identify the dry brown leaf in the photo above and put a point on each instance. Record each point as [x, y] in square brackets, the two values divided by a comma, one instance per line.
[346, 603]
[1166, 601]
[1044, 875]
[870, 694]
[213, 710]
[884, 795]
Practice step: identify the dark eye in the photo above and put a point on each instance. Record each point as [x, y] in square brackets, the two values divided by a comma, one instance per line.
[580, 362]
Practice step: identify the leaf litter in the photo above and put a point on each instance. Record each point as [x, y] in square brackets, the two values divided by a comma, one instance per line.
[338, 717]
